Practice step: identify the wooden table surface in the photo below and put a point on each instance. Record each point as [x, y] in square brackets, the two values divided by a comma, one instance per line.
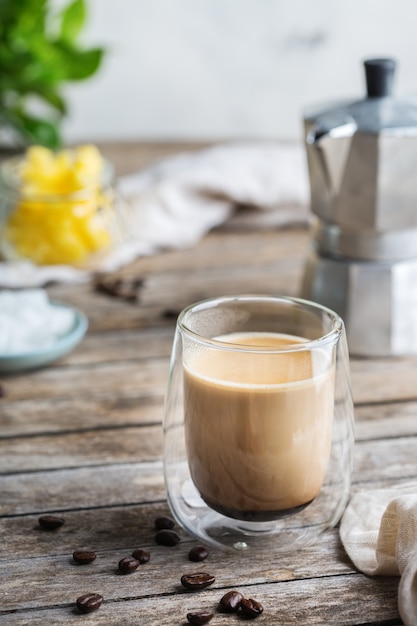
[82, 438]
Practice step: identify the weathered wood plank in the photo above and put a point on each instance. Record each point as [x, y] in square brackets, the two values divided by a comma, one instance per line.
[134, 408]
[42, 579]
[85, 487]
[385, 420]
[114, 482]
[121, 377]
[318, 601]
[385, 460]
[386, 380]
[92, 447]
[79, 413]
[392, 457]
[174, 291]
[128, 527]
[100, 529]
[222, 249]
[123, 345]
[269, 262]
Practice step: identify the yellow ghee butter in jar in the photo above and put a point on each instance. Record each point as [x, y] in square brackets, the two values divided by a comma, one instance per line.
[57, 207]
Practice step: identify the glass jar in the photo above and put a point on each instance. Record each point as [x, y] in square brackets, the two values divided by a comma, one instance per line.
[57, 227]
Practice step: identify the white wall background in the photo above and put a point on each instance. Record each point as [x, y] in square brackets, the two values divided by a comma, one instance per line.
[217, 69]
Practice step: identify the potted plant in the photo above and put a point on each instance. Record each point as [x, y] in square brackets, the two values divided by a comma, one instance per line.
[39, 53]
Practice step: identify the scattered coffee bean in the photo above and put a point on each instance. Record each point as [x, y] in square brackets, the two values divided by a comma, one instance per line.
[50, 522]
[128, 565]
[143, 556]
[198, 553]
[170, 314]
[163, 522]
[125, 288]
[203, 617]
[230, 602]
[89, 602]
[83, 557]
[197, 581]
[167, 537]
[251, 608]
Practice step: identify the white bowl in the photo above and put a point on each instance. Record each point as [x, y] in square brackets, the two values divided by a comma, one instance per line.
[10, 363]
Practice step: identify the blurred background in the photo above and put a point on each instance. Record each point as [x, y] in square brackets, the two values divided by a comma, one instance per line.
[221, 69]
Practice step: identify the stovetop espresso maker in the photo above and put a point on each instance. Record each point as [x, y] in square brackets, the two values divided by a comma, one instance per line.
[362, 160]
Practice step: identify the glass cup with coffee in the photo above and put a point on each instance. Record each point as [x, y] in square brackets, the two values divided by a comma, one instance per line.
[258, 426]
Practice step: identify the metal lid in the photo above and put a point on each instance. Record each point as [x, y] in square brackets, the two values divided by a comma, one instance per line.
[379, 112]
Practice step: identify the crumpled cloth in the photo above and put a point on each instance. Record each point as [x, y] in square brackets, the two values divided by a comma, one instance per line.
[379, 533]
[174, 202]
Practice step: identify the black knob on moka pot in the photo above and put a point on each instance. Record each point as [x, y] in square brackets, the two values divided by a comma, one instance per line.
[379, 75]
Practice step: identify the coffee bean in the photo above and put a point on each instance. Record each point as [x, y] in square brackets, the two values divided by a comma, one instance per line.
[167, 537]
[126, 289]
[2, 392]
[128, 565]
[170, 314]
[197, 581]
[251, 608]
[83, 557]
[89, 602]
[164, 522]
[203, 617]
[198, 553]
[143, 556]
[50, 522]
[230, 602]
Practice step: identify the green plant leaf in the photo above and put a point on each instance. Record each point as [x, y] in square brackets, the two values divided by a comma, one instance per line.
[54, 99]
[40, 131]
[36, 60]
[30, 129]
[76, 64]
[51, 97]
[73, 19]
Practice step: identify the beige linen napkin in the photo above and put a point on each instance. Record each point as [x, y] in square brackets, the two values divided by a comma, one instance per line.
[379, 533]
[174, 202]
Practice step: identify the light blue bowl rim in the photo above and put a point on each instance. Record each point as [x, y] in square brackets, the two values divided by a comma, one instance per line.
[62, 345]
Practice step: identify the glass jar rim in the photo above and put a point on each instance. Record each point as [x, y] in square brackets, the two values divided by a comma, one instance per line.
[330, 337]
[11, 181]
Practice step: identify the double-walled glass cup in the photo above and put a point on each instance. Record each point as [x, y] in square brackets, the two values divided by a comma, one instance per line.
[258, 427]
